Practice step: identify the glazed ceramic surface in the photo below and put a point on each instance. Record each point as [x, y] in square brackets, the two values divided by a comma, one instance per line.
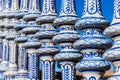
[33, 10]
[47, 31]
[30, 38]
[67, 35]
[92, 44]
[113, 54]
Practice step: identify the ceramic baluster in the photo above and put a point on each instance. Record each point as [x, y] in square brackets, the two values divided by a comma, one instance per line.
[22, 73]
[12, 20]
[47, 31]
[5, 53]
[30, 30]
[67, 56]
[31, 45]
[92, 44]
[12, 67]
[20, 39]
[112, 32]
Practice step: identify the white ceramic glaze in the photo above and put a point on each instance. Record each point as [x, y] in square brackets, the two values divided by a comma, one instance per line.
[67, 55]
[92, 43]
[113, 54]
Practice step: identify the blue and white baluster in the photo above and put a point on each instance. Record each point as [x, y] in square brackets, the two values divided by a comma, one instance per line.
[12, 68]
[92, 8]
[22, 12]
[13, 20]
[46, 52]
[48, 67]
[113, 32]
[68, 12]
[30, 17]
[33, 65]
[5, 55]
[31, 45]
[67, 56]
[47, 31]
[30, 30]
[92, 44]
[22, 73]
[48, 13]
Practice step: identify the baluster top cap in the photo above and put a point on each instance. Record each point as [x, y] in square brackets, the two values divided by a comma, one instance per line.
[67, 13]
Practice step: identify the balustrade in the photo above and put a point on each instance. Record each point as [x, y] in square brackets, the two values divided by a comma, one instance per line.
[34, 41]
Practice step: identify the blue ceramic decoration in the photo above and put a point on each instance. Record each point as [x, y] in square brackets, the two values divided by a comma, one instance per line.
[113, 32]
[67, 55]
[45, 34]
[92, 43]
[32, 44]
[12, 45]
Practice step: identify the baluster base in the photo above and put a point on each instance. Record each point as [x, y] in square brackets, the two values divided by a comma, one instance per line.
[92, 75]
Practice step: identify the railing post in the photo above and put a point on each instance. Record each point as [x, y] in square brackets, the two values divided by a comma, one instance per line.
[92, 44]
[113, 32]
[47, 31]
[67, 56]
